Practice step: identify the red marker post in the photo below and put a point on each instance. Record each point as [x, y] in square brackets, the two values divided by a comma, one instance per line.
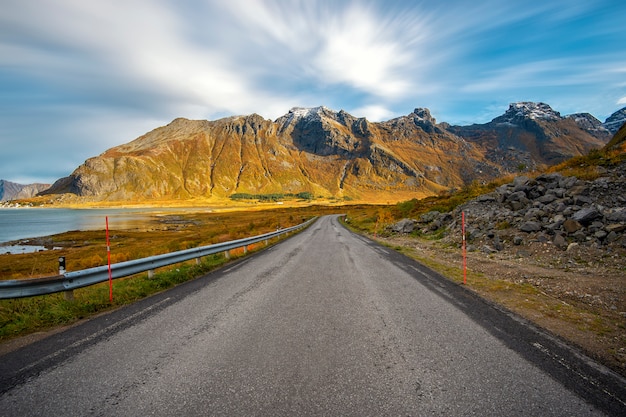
[109, 262]
[464, 250]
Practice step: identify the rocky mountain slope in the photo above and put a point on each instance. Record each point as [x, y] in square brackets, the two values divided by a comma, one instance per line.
[14, 191]
[530, 135]
[615, 121]
[327, 153]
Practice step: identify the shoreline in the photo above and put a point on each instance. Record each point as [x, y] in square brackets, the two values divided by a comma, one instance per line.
[84, 214]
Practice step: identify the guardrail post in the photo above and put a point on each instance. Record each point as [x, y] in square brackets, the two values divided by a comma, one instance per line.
[69, 294]
[267, 242]
[227, 254]
[197, 261]
[245, 249]
[150, 273]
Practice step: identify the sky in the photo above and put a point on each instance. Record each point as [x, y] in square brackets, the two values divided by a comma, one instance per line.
[79, 77]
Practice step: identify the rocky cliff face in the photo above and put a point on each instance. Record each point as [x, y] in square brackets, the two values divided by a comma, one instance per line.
[326, 153]
[14, 191]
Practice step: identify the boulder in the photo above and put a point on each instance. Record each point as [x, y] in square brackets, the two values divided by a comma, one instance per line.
[530, 226]
[553, 178]
[434, 225]
[517, 196]
[580, 236]
[547, 198]
[489, 249]
[595, 226]
[578, 190]
[615, 227]
[521, 180]
[486, 198]
[403, 226]
[558, 192]
[618, 215]
[587, 215]
[559, 241]
[571, 226]
[497, 243]
[517, 205]
[582, 200]
[572, 247]
[429, 217]
[600, 234]
[567, 182]
[612, 237]
[559, 206]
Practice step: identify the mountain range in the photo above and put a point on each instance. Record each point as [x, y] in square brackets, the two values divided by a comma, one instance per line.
[333, 154]
[14, 191]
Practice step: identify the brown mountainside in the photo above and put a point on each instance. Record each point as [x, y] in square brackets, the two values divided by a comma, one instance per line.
[534, 135]
[316, 150]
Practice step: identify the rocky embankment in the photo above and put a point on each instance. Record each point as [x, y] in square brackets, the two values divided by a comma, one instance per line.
[566, 212]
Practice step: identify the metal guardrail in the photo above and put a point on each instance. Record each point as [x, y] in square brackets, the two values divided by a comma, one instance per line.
[77, 279]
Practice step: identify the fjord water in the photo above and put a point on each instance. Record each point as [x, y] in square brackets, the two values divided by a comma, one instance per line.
[27, 223]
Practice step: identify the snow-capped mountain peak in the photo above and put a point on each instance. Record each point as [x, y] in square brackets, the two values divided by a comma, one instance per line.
[297, 113]
[531, 110]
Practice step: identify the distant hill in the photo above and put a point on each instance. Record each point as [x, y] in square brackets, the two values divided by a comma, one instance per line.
[13, 191]
[329, 153]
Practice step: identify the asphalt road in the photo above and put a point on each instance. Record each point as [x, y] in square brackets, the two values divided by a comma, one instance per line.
[325, 323]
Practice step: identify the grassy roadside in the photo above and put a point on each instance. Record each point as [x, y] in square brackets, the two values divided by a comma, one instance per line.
[22, 316]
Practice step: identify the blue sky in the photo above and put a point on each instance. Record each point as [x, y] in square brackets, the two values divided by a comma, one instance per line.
[78, 77]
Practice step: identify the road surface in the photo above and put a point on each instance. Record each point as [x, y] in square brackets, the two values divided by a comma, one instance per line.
[325, 323]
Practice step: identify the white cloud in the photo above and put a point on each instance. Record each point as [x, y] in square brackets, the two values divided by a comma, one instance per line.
[621, 100]
[114, 47]
[540, 73]
[356, 50]
[373, 113]
[339, 44]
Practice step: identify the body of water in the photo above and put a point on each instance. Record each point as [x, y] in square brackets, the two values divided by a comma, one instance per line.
[24, 223]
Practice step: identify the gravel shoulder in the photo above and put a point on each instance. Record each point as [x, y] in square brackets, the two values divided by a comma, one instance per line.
[579, 295]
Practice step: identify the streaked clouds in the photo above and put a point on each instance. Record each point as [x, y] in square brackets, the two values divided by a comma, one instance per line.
[77, 77]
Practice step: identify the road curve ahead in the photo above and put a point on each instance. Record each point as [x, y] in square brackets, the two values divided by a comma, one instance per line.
[325, 323]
